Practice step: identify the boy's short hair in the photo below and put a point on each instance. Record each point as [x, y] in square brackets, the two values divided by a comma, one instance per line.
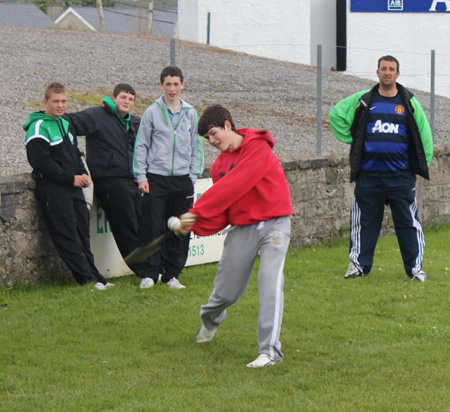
[123, 87]
[173, 71]
[214, 116]
[389, 58]
[56, 88]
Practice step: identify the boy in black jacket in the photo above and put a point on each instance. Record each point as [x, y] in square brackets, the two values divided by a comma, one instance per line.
[110, 136]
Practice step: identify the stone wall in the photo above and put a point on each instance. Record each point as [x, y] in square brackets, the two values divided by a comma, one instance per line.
[26, 250]
[321, 193]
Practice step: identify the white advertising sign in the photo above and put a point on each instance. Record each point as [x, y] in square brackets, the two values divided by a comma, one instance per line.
[107, 256]
[209, 248]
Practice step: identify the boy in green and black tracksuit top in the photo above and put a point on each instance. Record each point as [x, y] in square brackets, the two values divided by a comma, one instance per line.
[60, 175]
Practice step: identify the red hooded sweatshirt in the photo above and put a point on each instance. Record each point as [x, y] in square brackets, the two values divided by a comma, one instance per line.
[249, 186]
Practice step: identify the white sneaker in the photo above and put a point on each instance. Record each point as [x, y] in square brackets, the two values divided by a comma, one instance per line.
[352, 272]
[205, 335]
[175, 284]
[420, 276]
[100, 286]
[146, 283]
[262, 361]
[109, 285]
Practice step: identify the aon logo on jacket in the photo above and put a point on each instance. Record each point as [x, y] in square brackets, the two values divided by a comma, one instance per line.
[381, 127]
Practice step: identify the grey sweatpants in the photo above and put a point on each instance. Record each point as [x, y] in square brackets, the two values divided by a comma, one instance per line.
[242, 244]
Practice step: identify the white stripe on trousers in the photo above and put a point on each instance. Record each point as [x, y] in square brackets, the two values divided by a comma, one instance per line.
[420, 237]
[355, 233]
[279, 308]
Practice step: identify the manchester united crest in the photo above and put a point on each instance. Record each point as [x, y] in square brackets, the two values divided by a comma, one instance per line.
[399, 109]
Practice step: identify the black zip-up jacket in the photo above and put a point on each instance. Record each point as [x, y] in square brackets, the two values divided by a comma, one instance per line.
[109, 145]
[52, 150]
[418, 161]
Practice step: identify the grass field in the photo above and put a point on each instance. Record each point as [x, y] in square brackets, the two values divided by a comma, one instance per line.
[379, 343]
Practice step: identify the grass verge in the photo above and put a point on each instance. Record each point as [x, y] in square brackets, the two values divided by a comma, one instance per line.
[378, 343]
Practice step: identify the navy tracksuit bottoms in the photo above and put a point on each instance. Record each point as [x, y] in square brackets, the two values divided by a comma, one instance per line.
[370, 197]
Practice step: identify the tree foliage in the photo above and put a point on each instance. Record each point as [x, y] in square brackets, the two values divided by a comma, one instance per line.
[157, 4]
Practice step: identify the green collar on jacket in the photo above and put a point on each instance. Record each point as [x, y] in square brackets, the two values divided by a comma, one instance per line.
[107, 101]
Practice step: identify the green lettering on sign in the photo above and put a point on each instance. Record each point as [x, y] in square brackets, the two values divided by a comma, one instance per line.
[102, 221]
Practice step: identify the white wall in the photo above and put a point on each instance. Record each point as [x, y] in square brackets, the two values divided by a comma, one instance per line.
[188, 21]
[409, 37]
[291, 32]
[323, 31]
[261, 27]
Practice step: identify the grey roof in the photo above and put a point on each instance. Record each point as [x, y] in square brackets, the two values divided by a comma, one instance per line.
[164, 22]
[130, 20]
[24, 14]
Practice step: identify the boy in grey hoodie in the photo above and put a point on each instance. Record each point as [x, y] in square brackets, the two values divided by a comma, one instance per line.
[168, 159]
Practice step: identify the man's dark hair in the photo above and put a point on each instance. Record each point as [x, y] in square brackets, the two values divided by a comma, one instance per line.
[214, 116]
[172, 71]
[389, 58]
[56, 88]
[123, 87]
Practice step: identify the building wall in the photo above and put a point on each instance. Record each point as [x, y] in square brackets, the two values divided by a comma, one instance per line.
[191, 23]
[72, 22]
[292, 32]
[409, 37]
[259, 27]
[320, 191]
[323, 31]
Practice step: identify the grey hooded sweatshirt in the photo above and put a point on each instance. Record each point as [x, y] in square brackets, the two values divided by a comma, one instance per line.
[166, 146]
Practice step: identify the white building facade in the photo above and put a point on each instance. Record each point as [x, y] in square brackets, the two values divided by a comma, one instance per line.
[291, 30]
[260, 27]
[409, 36]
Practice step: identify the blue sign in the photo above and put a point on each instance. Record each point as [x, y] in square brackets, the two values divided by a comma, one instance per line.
[400, 6]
